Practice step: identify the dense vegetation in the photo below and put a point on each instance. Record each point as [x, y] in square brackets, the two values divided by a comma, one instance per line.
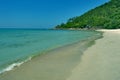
[105, 16]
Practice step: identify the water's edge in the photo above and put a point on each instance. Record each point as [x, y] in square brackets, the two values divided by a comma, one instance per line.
[87, 43]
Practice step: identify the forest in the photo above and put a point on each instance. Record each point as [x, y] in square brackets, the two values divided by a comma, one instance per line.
[106, 16]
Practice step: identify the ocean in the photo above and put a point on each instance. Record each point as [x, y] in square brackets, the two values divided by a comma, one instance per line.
[20, 45]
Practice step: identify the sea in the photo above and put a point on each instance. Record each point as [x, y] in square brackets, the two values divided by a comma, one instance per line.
[18, 46]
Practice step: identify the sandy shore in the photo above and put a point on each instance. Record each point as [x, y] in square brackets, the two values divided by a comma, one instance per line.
[54, 65]
[102, 60]
[111, 30]
[99, 62]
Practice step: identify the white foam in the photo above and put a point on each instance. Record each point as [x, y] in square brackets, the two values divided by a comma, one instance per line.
[12, 66]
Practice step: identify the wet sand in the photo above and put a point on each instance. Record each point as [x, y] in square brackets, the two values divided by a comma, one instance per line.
[54, 65]
[102, 60]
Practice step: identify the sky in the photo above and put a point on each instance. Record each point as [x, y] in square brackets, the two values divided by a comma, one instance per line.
[42, 13]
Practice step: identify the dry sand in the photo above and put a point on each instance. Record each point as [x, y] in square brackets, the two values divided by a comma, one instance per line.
[102, 60]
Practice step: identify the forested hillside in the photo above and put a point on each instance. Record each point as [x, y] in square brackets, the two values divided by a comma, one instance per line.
[105, 16]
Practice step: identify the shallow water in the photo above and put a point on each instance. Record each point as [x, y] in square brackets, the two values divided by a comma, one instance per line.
[56, 64]
[19, 45]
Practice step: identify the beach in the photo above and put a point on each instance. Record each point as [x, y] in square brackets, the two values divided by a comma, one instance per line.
[77, 61]
[102, 60]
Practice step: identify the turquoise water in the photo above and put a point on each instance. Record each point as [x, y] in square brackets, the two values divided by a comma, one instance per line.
[19, 45]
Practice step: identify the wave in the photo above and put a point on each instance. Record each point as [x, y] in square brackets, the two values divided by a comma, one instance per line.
[12, 66]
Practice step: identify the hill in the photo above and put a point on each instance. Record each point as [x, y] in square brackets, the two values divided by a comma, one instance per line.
[106, 16]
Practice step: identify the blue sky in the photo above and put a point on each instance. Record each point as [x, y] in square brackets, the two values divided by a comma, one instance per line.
[42, 13]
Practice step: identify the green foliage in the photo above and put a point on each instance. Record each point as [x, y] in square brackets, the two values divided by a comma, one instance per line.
[105, 16]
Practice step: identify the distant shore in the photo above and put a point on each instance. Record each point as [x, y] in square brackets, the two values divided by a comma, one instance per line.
[110, 30]
[73, 29]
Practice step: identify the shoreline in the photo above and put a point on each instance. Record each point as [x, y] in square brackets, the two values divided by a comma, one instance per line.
[110, 30]
[66, 59]
[18, 64]
[100, 61]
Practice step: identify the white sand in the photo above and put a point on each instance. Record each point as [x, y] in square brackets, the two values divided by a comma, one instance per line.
[102, 60]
